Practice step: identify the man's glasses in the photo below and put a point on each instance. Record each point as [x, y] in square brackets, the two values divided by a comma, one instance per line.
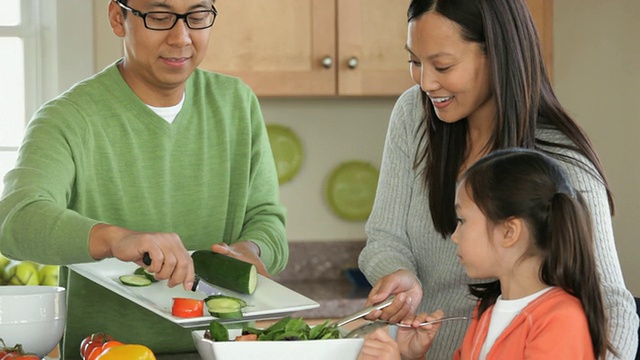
[164, 20]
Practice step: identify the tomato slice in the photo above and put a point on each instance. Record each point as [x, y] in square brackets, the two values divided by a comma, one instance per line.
[187, 308]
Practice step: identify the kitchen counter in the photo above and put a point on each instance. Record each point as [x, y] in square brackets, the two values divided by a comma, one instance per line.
[319, 269]
[191, 356]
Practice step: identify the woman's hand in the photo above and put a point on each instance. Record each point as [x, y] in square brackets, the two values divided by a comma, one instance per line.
[408, 292]
[415, 342]
[379, 345]
[246, 251]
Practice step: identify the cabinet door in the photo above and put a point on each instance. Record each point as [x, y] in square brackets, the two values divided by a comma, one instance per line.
[542, 13]
[372, 34]
[275, 46]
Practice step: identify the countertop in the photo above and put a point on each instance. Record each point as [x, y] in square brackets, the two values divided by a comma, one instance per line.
[318, 270]
[322, 271]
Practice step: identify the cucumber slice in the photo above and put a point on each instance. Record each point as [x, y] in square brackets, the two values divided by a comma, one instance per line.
[218, 332]
[225, 307]
[135, 280]
[225, 271]
[142, 271]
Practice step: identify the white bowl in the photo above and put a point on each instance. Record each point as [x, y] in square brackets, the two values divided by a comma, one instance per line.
[34, 316]
[344, 349]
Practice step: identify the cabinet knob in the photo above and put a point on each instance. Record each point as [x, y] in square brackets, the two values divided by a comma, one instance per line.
[353, 62]
[327, 62]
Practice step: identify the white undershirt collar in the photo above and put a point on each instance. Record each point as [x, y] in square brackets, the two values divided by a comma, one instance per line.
[168, 113]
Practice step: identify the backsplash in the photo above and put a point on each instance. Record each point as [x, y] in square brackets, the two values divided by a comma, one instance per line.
[320, 260]
[316, 269]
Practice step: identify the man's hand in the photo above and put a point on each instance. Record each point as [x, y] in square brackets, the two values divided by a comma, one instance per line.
[170, 260]
[246, 251]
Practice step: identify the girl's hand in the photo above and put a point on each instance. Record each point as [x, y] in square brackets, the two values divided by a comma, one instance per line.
[408, 292]
[379, 345]
[415, 342]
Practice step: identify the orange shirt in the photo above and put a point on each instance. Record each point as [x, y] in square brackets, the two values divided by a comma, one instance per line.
[553, 326]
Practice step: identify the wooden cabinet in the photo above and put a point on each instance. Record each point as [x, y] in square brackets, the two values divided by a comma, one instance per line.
[542, 12]
[321, 47]
[312, 47]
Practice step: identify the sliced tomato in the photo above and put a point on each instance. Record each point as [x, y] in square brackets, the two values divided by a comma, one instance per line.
[248, 337]
[187, 308]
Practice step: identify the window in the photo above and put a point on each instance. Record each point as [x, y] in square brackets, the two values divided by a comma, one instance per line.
[43, 54]
[18, 37]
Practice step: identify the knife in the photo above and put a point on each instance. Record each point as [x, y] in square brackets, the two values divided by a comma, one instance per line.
[198, 284]
[204, 287]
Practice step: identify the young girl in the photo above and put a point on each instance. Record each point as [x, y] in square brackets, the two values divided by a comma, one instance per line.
[520, 221]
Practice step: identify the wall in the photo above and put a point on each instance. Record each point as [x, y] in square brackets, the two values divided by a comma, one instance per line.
[597, 78]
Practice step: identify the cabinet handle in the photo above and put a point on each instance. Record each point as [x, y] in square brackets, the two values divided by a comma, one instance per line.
[327, 62]
[353, 62]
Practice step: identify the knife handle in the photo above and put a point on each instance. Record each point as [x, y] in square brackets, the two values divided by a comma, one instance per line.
[146, 259]
[196, 280]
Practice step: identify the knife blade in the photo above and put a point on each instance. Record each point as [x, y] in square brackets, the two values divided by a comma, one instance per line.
[204, 287]
[198, 284]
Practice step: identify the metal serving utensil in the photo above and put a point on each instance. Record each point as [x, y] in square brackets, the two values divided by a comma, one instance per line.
[364, 312]
[446, 318]
[367, 328]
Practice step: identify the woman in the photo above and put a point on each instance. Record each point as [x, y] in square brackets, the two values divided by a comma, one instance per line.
[482, 87]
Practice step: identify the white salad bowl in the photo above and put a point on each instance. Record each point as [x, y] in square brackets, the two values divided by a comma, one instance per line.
[33, 316]
[344, 349]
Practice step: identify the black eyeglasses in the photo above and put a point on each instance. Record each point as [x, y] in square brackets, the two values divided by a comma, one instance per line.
[165, 20]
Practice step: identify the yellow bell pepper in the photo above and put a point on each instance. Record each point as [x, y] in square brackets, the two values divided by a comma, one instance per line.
[127, 352]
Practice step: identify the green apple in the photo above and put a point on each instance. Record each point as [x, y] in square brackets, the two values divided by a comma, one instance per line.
[24, 273]
[4, 261]
[7, 273]
[49, 275]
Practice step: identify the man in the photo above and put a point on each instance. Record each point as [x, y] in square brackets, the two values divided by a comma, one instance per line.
[151, 155]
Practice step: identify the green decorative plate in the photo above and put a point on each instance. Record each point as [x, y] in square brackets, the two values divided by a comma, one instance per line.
[351, 190]
[287, 151]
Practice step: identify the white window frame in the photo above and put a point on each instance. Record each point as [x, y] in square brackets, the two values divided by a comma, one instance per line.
[58, 50]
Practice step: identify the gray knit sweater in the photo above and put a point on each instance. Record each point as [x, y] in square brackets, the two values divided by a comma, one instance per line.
[401, 236]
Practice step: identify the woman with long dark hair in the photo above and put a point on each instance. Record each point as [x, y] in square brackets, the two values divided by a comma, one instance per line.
[482, 86]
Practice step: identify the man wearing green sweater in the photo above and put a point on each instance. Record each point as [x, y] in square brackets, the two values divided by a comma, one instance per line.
[151, 155]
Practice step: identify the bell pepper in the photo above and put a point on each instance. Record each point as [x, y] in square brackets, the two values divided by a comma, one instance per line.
[128, 352]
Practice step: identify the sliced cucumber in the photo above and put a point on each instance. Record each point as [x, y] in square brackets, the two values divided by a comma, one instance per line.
[225, 271]
[135, 280]
[225, 307]
[142, 271]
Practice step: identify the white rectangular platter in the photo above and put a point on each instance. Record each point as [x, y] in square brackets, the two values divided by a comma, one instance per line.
[270, 300]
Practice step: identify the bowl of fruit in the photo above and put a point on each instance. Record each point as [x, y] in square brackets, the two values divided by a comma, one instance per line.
[33, 317]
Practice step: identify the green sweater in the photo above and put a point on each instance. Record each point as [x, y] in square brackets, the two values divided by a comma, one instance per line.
[98, 154]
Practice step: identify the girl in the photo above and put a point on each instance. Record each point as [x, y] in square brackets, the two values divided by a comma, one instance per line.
[481, 86]
[520, 221]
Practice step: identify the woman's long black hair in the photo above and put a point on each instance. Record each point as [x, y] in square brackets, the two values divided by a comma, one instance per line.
[526, 184]
[522, 90]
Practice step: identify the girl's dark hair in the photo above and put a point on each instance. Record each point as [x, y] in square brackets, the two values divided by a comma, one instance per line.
[529, 185]
[524, 99]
